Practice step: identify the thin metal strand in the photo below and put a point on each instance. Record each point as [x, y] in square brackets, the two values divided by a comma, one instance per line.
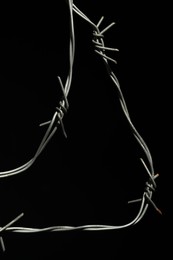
[63, 91]
[107, 28]
[11, 222]
[106, 48]
[105, 56]
[100, 21]
[2, 244]
[58, 116]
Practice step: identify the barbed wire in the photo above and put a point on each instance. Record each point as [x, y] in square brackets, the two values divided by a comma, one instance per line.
[57, 120]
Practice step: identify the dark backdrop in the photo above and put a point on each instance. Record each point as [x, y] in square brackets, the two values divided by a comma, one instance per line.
[88, 177]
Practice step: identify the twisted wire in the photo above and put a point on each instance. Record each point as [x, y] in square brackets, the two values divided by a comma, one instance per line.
[61, 109]
[57, 119]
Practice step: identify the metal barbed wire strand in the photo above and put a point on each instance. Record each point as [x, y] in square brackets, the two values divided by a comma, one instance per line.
[57, 118]
[101, 49]
[150, 187]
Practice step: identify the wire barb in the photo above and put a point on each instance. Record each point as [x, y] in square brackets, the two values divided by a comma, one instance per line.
[6, 227]
[105, 48]
[100, 21]
[152, 203]
[107, 28]
[105, 56]
[2, 244]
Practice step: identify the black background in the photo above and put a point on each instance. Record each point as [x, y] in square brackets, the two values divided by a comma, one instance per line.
[88, 177]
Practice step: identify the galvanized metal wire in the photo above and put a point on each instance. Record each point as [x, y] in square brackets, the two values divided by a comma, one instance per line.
[57, 121]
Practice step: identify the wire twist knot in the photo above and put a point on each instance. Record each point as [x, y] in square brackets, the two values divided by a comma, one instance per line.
[98, 41]
[149, 189]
